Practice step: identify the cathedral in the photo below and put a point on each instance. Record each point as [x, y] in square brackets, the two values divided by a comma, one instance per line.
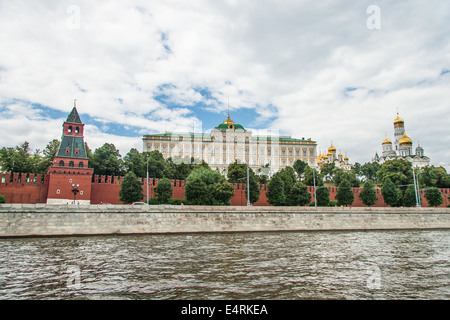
[339, 160]
[402, 147]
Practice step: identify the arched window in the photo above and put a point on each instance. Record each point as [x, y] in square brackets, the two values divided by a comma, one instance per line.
[80, 165]
[69, 129]
[71, 164]
[77, 130]
[61, 163]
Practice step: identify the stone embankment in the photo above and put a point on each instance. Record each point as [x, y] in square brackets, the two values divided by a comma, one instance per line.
[29, 220]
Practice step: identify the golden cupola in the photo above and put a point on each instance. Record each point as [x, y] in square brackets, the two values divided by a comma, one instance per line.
[398, 121]
[331, 149]
[387, 141]
[405, 140]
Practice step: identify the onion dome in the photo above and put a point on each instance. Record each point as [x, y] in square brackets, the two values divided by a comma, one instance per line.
[346, 158]
[398, 121]
[387, 141]
[405, 140]
[331, 149]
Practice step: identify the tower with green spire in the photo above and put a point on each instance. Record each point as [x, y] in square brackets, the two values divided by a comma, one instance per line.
[69, 169]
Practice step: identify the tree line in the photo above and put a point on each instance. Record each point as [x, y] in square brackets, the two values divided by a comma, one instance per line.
[287, 187]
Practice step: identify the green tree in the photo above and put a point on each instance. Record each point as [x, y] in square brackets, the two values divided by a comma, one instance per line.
[345, 195]
[310, 174]
[327, 168]
[299, 167]
[237, 173]
[391, 193]
[298, 195]
[200, 187]
[434, 197]
[340, 174]
[409, 197]
[275, 191]
[156, 165]
[369, 170]
[2, 199]
[164, 190]
[135, 161]
[399, 171]
[131, 189]
[107, 161]
[49, 152]
[223, 192]
[323, 196]
[368, 194]
[434, 177]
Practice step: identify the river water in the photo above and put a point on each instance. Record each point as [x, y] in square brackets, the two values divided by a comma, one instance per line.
[285, 266]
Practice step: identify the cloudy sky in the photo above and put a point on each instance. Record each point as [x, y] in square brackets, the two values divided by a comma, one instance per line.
[328, 70]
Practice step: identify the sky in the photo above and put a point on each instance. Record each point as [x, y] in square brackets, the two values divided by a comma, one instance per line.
[335, 71]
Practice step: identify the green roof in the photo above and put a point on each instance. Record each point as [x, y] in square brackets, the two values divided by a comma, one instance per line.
[72, 147]
[176, 135]
[224, 126]
[74, 117]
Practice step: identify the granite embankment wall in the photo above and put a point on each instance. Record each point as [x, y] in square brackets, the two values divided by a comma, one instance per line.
[72, 220]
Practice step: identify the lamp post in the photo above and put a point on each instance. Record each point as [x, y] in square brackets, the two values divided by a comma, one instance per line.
[147, 184]
[75, 191]
[314, 181]
[248, 184]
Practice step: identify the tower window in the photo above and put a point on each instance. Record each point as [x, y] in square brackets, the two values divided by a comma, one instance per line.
[61, 163]
[80, 165]
[69, 129]
[71, 164]
[77, 130]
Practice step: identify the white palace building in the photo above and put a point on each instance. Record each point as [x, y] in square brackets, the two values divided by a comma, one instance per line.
[230, 142]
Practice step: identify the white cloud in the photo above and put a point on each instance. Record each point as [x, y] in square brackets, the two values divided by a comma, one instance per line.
[292, 62]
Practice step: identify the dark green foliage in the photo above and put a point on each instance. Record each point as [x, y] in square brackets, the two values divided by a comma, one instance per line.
[409, 197]
[434, 197]
[207, 187]
[391, 193]
[369, 170]
[340, 174]
[2, 199]
[434, 177]
[156, 164]
[299, 167]
[131, 189]
[309, 181]
[163, 191]
[223, 192]
[323, 196]
[135, 161]
[399, 171]
[298, 195]
[107, 161]
[327, 168]
[237, 173]
[368, 194]
[345, 195]
[275, 191]
[21, 159]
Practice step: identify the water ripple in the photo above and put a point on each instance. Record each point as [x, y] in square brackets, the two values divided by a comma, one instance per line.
[310, 265]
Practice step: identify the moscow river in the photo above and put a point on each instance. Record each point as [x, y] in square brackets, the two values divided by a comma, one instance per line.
[231, 266]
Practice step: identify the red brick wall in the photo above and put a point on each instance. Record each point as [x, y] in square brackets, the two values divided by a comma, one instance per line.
[24, 188]
[105, 189]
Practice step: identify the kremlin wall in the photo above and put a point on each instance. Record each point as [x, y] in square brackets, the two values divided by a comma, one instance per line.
[70, 167]
[105, 190]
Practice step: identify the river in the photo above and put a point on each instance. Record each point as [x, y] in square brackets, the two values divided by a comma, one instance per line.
[230, 266]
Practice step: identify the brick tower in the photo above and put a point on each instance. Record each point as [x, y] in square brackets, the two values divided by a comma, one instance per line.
[69, 176]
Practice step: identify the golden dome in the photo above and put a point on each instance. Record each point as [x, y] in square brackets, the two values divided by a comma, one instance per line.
[331, 149]
[386, 141]
[405, 140]
[329, 154]
[346, 158]
[228, 121]
[398, 120]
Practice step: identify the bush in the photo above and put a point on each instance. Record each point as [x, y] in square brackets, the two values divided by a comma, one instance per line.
[177, 202]
[2, 199]
[332, 204]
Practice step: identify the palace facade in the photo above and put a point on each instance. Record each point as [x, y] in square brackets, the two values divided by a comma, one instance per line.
[230, 142]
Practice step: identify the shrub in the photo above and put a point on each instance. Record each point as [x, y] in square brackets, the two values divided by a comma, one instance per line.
[2, 199]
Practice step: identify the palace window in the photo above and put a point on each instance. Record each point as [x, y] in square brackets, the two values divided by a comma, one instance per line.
[61, 163]
[80, 165]
[71, 164]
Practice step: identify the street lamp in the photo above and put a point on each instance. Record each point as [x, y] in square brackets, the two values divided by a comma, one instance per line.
[75, 191]
[314, 180]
